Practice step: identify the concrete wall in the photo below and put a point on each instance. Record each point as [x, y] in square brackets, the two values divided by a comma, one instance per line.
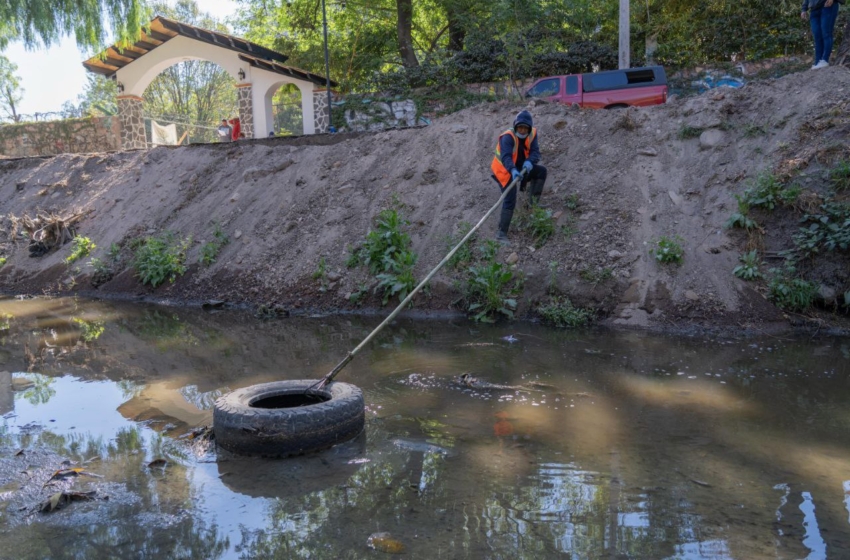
[71, 136]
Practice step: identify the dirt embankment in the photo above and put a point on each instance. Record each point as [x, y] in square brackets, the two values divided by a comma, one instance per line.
[618, 182]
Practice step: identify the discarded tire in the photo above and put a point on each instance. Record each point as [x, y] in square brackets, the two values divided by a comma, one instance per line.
[279, 419]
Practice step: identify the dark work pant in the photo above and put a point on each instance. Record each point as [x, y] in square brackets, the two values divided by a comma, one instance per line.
[537, 172]
[823, 24]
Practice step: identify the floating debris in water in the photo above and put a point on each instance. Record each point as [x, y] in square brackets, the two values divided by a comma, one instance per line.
[384, 542]
[510, 338]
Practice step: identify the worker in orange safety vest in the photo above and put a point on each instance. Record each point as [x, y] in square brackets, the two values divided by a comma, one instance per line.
[517, 153]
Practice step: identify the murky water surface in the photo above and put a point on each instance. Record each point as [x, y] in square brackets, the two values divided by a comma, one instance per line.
[626, 445]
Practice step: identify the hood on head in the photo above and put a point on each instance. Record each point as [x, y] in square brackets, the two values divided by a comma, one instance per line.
[524, 117]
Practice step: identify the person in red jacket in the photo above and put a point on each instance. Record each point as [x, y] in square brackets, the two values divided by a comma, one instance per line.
[518, 154]
[237, 128]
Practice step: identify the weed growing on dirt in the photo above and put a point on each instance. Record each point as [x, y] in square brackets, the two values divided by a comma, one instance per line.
[839, 175]
[569, 229]
[752, 130]
[80, 247]
[160, 258]
[99, 266]
[686, 132]
[114, 252]
[356, 297]
[540, 225]
[560, 312]
[767, 191]
[595, 276]
[740, 218]
[321, 270]
[2, 261]
[572, 201]
[464, 254]
[399, 280]
[553, 276]
[749, 267]
[788, 291]
[491, 287]
[668, 250]
[828, 230]
[210, 250]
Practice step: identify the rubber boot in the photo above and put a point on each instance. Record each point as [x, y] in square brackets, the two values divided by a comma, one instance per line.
[535, 189]
[504, 225]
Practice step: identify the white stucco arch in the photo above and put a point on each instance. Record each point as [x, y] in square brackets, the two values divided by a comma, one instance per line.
[266, 97]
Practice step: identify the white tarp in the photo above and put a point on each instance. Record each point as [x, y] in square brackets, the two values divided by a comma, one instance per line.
[163, 135]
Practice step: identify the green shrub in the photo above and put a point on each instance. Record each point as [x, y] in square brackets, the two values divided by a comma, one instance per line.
[561, 313]
[749, 267]
[399, 280]
[321, 270]
[356, 297]
[827, 230]
[571, 201]
[790, 292]
[160, 258]
[489, 249]
[539, 224]
[385, 243]
[668, 250]
[80, 247]
[490, 292]
[2, 261]
[210, 250]
[767, 191]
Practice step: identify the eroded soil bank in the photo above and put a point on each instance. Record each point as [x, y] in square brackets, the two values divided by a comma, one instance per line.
[619, 182]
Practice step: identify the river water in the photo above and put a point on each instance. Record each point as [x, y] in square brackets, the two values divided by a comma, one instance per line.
[625, 445]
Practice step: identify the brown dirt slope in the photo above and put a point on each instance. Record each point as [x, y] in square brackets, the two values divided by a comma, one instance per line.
[287, 203]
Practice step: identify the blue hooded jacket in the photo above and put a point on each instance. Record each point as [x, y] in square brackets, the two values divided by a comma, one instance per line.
[506, 145]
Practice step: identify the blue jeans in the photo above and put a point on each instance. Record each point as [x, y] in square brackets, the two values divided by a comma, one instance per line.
[823, 23]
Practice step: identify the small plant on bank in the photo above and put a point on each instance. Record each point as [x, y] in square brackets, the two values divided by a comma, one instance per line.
[539, 223]
[595, 276]
[749, 267]
[210, 250]
[399, 280]
[160, 258]
[464, 254]
[839, 175]
[491, 287]
[553, 276]
[767, 191]
[80, 248]
[790, 292]
[828, 230]
[321, 270]
[560, 312]
[356, 297]
[740, 218]
[668, 250]
[686, 132]
[2, 261]
[571, 201]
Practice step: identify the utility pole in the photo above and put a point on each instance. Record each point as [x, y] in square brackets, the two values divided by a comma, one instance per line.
[625, 47]
[327, 62]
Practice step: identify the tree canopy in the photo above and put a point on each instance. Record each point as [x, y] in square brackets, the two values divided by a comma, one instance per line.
[10, 90]
[44, 22]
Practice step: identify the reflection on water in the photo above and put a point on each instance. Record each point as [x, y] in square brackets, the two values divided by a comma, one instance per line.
[587, 445]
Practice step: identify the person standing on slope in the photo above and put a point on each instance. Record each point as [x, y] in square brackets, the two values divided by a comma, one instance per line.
[517, 153]
[821, 15]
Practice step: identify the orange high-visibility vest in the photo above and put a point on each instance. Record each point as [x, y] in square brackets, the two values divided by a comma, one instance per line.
[497, 167]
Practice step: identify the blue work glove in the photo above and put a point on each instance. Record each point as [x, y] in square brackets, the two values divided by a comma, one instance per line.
[527, 166]
[514, 174]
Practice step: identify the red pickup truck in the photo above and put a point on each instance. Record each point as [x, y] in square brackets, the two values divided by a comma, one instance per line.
[614, 89]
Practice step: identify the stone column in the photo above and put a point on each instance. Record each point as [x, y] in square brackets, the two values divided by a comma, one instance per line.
[132, 121]
[246, 109]
[321, 114]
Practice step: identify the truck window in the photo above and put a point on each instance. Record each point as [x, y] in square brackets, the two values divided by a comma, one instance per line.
[572, 85]
[545, 88]
[642, 76]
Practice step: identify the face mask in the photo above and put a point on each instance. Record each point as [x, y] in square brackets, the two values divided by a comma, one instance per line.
[522, 136]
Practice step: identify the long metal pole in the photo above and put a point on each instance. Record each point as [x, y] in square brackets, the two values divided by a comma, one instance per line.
[625, 35]
[329, 377]
[327, 61]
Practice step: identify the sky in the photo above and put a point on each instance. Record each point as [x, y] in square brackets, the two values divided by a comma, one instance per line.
[52, 76]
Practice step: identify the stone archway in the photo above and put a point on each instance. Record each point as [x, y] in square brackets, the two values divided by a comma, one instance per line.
[256, 70]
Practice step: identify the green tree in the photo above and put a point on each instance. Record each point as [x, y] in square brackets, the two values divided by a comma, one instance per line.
[43, 22]
[98, 99]
[11, 92]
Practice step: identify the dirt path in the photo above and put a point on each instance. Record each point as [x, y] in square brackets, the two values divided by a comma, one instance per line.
[619, 180]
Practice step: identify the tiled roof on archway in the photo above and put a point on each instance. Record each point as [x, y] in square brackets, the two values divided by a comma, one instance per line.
[162, 29]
